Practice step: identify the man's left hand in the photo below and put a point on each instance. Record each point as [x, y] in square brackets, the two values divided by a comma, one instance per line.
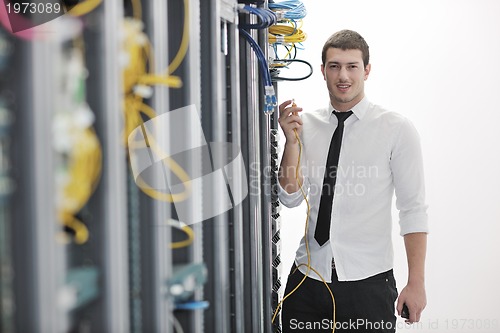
[413, 295]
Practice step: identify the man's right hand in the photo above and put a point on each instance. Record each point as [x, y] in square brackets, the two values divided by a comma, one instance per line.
[290, 120]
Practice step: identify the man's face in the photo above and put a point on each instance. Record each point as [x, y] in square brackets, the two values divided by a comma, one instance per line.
[345, 76]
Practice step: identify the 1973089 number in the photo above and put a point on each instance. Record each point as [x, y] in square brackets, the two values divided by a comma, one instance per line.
[33, 8]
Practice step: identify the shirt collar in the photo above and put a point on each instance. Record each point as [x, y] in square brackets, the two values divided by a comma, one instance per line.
[359, 109]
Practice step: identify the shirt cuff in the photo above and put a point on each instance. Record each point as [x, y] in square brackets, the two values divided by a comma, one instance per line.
[413, 223]
[294, 199]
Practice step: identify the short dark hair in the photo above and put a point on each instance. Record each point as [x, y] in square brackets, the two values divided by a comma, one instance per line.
[347, 40]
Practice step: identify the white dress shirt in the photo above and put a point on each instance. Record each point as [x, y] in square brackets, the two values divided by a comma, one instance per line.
[380, 154]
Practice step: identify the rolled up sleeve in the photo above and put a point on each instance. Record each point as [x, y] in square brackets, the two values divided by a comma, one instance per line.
[408, 177]
[294, 199]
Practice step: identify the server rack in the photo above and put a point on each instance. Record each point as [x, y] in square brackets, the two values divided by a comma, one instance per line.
[38, 262]
[65, 287]
[185, 18]
[6, 186]
[127, 267]
[214, 123]
[109, 202]
[260, 250]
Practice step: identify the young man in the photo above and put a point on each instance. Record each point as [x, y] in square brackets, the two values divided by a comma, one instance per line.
[355, 154]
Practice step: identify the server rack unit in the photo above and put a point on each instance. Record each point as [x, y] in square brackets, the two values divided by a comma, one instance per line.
[60, 287]
[188, 262]
[260, 250]
[214, 116]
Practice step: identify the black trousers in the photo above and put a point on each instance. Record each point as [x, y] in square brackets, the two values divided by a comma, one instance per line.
[361, 306]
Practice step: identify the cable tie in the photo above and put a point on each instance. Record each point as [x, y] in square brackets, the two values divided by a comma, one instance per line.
[280, 15]
[242, 9]
[269, 90]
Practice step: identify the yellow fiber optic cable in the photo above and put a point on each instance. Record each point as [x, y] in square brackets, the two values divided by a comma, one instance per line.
[169, 81]
[81, 232]
[189, 232]
[134, 108]
[307, 225]
[137, 9]
[176, 169]
[286, 34]
[141, 72]
[136, 73]
[184, 228]
[329, 290]
[181, 53]
[84, 172]
[308, 265]
[135, 52]
[84, 7]
[282, 62]
[290, 51]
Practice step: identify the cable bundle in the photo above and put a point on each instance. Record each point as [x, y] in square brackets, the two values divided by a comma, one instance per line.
[281, 33]
[290, 9]
[285, 64]
[260, 56]
[266, 17]
[84, 172]
[139, 76]
[270, 94]
[79, 147]
[287, 33]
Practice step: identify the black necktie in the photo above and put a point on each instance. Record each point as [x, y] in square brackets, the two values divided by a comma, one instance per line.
[322, 232]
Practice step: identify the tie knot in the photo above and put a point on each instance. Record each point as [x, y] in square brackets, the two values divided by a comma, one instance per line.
[342, 116]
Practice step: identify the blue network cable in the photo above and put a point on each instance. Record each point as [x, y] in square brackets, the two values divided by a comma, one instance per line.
[266, 17]
[270, 95]
[293, 9]
[194, 305]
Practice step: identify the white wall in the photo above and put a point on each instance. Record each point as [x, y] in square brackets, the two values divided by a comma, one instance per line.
[436, 62]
